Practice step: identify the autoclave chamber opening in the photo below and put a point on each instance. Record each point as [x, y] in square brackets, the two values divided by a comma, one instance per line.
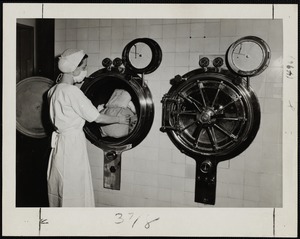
[99, 92]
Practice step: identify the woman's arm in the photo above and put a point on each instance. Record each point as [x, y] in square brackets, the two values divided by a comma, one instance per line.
[106, 119]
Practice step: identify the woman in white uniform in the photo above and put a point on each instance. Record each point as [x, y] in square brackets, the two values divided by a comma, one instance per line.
[69, 173]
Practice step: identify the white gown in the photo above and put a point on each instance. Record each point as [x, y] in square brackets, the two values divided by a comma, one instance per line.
[69, 174]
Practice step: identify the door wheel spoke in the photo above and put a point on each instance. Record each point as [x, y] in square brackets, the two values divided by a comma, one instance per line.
[212, 138]
[230, 135]
[200, 85]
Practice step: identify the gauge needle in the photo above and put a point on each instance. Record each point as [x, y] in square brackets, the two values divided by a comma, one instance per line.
[241, 45]
[246, 55]
[239, 53]
[136, 54]
[135, 51]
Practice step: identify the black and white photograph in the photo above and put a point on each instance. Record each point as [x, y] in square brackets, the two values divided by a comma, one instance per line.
[148, 115]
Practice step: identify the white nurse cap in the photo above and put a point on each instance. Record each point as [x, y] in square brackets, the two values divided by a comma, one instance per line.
[69, 60]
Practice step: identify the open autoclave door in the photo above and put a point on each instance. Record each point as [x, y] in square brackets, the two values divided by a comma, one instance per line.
[140, 57]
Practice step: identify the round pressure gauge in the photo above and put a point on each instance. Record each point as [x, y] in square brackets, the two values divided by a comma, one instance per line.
[248, 56]
[142, 55]
[204, 62]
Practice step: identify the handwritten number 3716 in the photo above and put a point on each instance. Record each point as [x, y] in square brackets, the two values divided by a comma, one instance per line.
[121, 219]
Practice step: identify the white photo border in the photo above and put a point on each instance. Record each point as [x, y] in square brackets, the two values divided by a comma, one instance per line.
[244, 222]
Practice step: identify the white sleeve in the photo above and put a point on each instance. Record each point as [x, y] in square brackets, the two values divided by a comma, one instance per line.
[82, 105]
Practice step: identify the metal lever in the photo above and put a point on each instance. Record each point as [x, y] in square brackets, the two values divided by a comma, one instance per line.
[166, 100]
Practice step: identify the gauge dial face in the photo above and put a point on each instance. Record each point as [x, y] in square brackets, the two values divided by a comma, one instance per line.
[204, 62]
[218, 62]
[248, 56]
[140, 55]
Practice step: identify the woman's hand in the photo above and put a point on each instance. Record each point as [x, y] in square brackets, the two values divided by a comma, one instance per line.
[100, 107]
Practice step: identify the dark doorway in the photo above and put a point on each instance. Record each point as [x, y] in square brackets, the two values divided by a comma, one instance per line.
[25, 51]
[32, 153]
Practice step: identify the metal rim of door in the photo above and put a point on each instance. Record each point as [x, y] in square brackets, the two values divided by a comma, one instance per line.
[201, 128]
[103, 82]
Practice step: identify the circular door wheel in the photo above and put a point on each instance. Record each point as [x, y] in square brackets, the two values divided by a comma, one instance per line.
[142, 55]
[248, 56]
[32, 110]
[210, 116]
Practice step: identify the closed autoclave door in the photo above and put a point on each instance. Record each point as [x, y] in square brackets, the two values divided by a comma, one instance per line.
[212, 114]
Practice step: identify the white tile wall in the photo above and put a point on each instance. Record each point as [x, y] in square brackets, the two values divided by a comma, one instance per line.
[71, 44]
[197, 30]
[169, 31]
[212, 29]
[94, 33]
[82, 23]
[228, 28]
[70, 23]
[211, 45]
[155, 173]
[83, 34]
[94, 22]
[71, 34]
